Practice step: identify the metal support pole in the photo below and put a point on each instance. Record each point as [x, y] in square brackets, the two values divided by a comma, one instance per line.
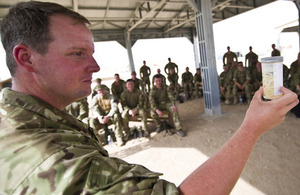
[207, 58]
[129, 51]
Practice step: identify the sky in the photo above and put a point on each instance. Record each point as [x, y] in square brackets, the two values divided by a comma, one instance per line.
[259, 28]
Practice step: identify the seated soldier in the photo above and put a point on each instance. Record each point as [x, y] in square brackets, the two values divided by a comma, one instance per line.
[99, 82]
[79, 109]
[105, 111]
[225, 84]
[174, 86]
[187, 83]
[133, 102]
[241, 79]
[256, 77]
[198, 82]
[162, 99]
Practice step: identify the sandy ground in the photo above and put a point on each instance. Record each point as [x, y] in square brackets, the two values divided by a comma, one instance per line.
[273, 167]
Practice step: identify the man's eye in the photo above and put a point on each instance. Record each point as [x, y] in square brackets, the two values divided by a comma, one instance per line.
[77, 53]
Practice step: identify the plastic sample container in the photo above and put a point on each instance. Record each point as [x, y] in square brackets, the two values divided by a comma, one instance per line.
[272, 73]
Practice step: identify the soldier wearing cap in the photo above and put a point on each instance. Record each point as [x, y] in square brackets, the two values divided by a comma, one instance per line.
[99, 82]
[105, 111]
[133, 102]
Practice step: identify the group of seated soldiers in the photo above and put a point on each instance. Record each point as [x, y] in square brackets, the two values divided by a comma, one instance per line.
[238, 83]
[134, 99]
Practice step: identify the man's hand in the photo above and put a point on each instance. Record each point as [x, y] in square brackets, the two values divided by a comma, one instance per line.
[264, 115]
[132, 112]
[175, 109]
[103, 119]
[159, 112]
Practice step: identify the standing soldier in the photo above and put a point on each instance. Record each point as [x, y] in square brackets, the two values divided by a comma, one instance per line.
[163, 78]
[79, 109]
[174, 86]
[133, 104]
[229, 57]
[145, 73]
[198, 82]
[225, 83]
[187, 83]
[251, 58]
[275, 52]
[105, 111]
[117, 87]
[162, 99]
[241, 79]
[171, 65]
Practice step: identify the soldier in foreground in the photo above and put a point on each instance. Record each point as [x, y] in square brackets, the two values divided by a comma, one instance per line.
[51, 65]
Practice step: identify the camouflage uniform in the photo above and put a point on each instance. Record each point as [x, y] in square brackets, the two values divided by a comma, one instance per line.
[47, 151]
[197, 83]
[79, 109]
[163, 100]
[187, 82]
[293, 69]
[169, 66]
[256, 79]
[137, 83]
[296, 80]
[251, 57]
[145, 72]
[225, 80]
[131, 100]
[107, 105]
[275, 52]
[241, 77]
[230, 57]
[173, 79]
[117, 89]
[286, 73]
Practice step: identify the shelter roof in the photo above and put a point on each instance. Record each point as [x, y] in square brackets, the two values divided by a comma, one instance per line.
[110, 19]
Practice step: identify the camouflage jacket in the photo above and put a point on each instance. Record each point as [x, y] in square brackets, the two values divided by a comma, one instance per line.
[187, 77]
[131, 100]
[79, 109]
[104, 105]
[169, 66]
[117, 89]
[160, 96]
[47, 151]
[241, 76]
[145, 72]
[197, 79]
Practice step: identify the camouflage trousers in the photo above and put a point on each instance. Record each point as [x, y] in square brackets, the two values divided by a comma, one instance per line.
[115, 119]
[126, 118]
[188, 89]
[176, 89]
[197, 89]
[145, 83]
[228, 92]
[166, 107]
[247, 91]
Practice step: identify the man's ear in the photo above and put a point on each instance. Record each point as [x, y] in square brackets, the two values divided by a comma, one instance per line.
[22, 55]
